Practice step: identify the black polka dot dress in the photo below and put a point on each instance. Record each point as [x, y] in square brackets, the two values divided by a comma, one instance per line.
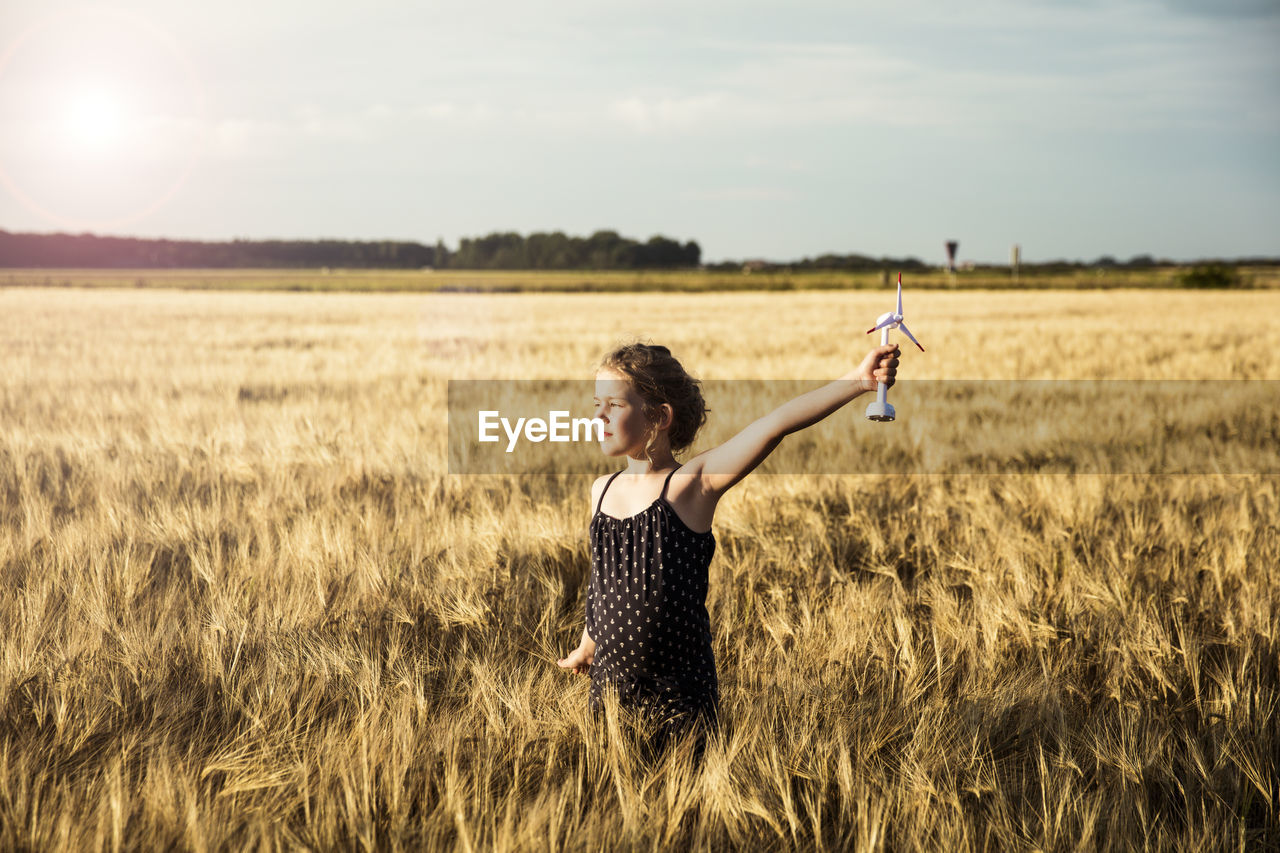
[646, 612]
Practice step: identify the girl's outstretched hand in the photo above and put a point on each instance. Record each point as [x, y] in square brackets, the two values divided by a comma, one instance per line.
[880, 365]
[579, 660]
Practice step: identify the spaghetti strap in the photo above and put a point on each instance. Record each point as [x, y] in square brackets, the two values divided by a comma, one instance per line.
[606, 488]
[663, 496]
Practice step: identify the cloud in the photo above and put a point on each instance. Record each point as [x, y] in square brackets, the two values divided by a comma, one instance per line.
[739, 194]
[790, 164]
[1227, 8]
[647, 114]
[787, 86]
[240, 137]
[1106, 72]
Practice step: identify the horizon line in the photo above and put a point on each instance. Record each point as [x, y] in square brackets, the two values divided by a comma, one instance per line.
[1145, 256]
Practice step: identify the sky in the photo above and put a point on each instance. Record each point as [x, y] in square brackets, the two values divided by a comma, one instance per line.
[1072, 128]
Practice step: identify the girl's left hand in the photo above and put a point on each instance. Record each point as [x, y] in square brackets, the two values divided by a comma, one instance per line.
[880, 365]
[579, 660]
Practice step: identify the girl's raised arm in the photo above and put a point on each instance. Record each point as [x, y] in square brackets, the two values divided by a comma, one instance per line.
[721, 467]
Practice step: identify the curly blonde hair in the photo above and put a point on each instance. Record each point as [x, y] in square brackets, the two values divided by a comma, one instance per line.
[659, 378]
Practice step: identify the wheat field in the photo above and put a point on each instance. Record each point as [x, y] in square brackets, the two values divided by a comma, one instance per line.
[244, 605]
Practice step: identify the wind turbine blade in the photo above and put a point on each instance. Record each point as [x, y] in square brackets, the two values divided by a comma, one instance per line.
[902, 327]
[899, 294]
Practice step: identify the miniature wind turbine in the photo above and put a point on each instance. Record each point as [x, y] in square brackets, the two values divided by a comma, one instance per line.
[880, 410]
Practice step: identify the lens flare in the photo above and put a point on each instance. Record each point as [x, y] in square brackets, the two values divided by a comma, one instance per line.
[93, 119]
[104, 117]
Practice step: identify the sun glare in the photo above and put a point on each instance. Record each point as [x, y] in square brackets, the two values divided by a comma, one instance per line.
[93, 119]
[104, 117]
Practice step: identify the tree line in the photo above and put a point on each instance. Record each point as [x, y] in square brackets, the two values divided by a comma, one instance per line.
[497, 251]
[827, 262]
[505, 250]
[603, 250]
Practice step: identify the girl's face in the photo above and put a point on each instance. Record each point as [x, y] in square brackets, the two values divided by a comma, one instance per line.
[619, 406]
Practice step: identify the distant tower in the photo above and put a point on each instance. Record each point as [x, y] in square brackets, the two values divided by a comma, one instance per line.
[1015, 258]
[952, 245]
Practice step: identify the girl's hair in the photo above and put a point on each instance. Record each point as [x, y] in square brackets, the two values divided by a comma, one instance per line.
[658, 378]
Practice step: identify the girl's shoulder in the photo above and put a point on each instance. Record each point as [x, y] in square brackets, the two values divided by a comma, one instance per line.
[687, 479]
[688, 495]
[597, 489]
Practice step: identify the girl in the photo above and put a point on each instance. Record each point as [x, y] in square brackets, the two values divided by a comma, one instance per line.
[647, 634]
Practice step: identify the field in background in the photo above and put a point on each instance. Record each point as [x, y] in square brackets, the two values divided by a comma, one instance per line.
[706, 281]
[243, 603]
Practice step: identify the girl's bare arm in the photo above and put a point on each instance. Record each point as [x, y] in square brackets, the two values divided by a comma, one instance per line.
[579, 660]
[723, 466]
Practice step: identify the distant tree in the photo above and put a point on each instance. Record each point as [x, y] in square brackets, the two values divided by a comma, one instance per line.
[692, 254]
[604, 249]
[1210, 276]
